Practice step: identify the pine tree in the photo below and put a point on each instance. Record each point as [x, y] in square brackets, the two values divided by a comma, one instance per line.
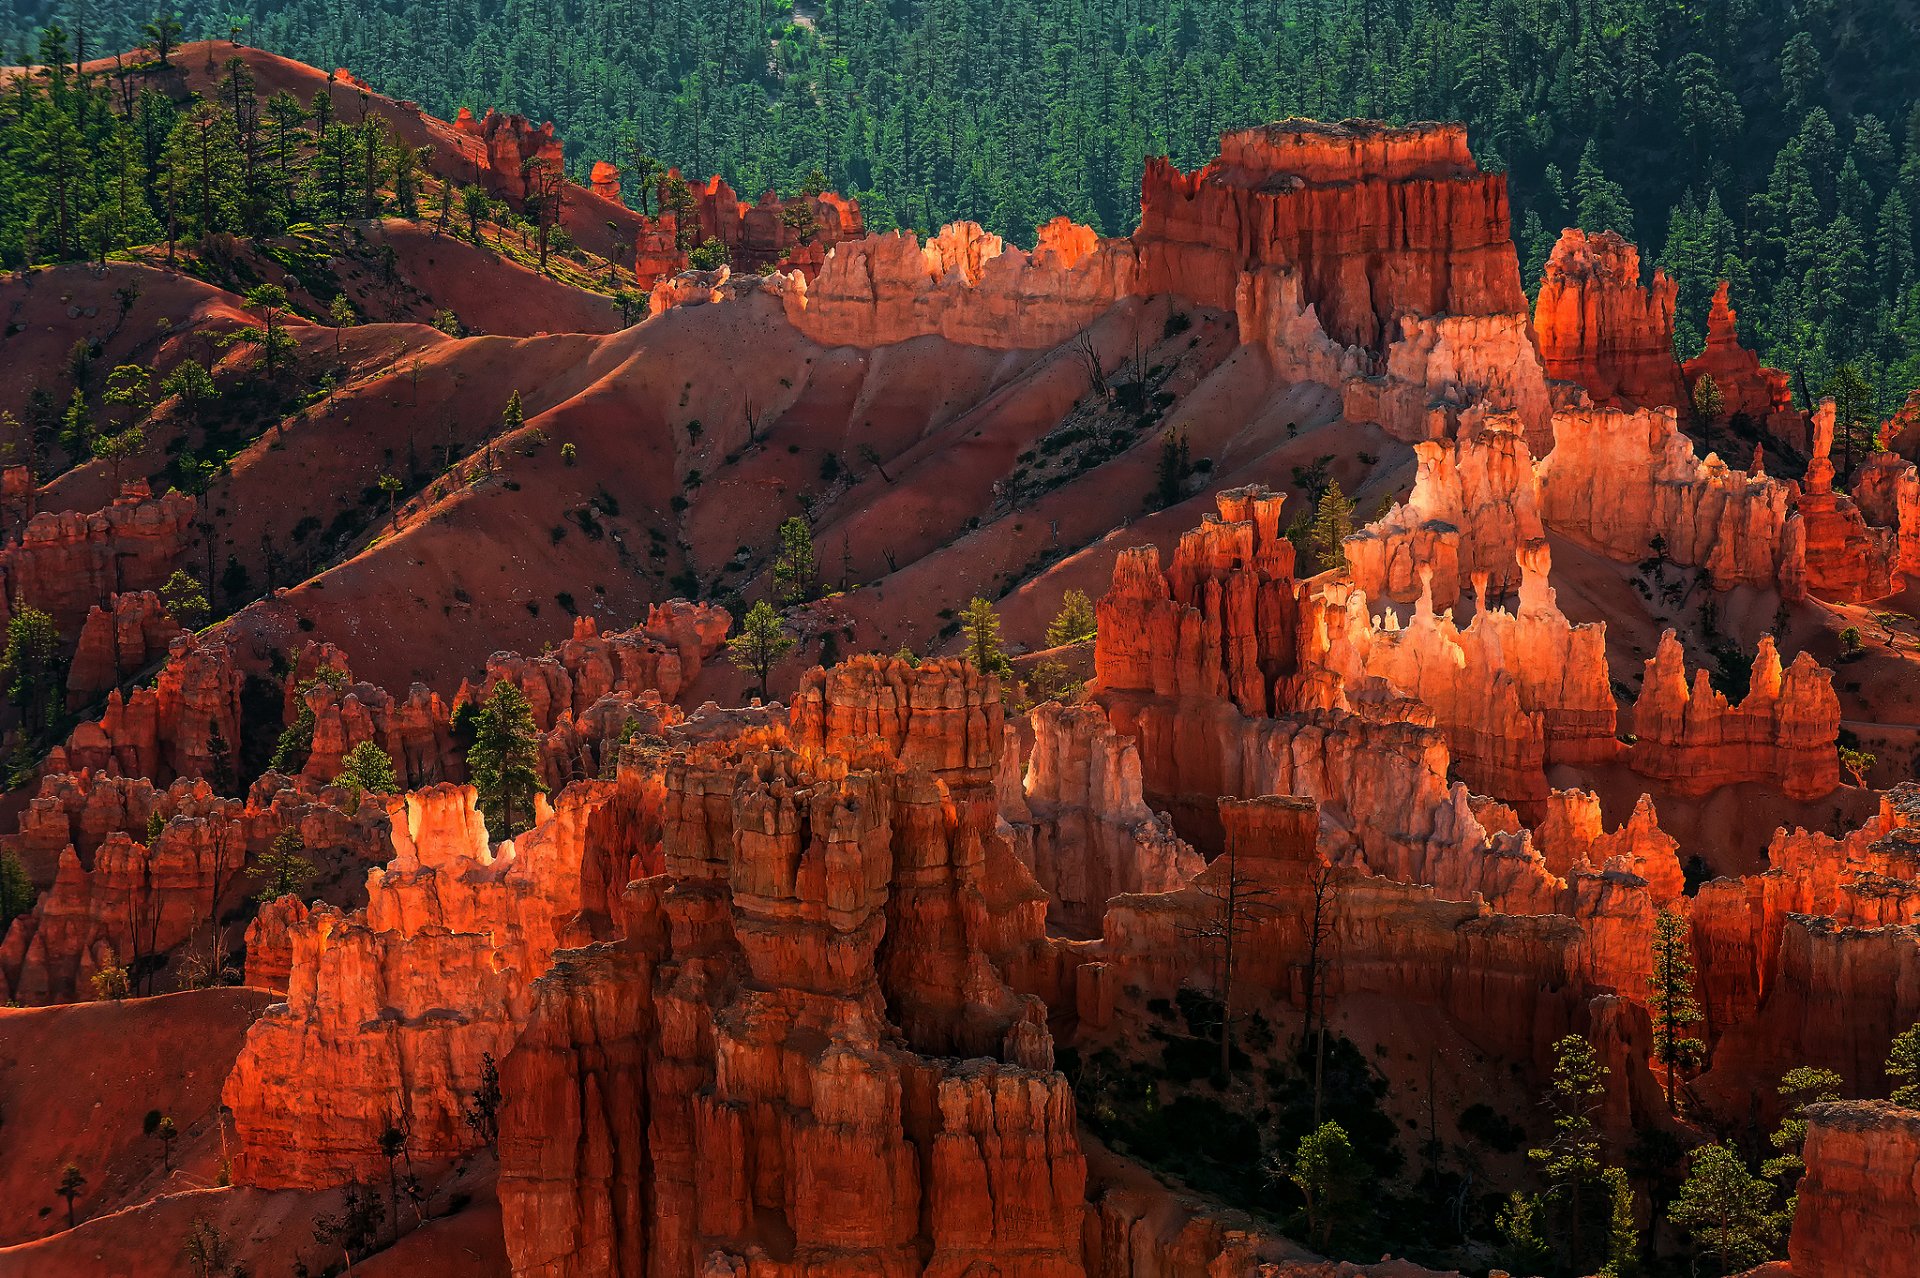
[1602, 203]
[981, 625]
[1727, 1211]
[504, 760]
[184, 598]
[1332, 525]
[1671, 1000]
[32, 668]
[1903, 1066]
[794, 567]
[283, 870]
[368, 768]
[1076, 620]
[1330, 1177]
[1799, 1087]
[17, 892]
[762, 641]
[1570, 1160]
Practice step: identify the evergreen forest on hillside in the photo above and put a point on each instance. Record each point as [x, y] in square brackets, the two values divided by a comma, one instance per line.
[1773, 142]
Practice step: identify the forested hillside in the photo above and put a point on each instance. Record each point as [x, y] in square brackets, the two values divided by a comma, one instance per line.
[1773, 142]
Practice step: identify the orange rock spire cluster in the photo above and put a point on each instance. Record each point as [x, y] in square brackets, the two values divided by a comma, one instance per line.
[841, 980]
[1601, 329]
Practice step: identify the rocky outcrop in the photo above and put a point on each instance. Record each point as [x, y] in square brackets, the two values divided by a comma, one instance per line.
[1374, 259]
[1514, 691]
[117, 642]
[1600, 329]
[964, 285]
[1376, 221]
[1887, 490]
[1847, 561]
[1857, 1209]
[791, 234]
[503, 150]
[1572, 836]
[1474, 505]
[1870, 877]
[723, 1084]
[605, 180]
[69, 563]
[1747, 388]
[168, 870]
[1616, 480]
[186, 725]
[1088, 834]
[1782, 733]
[392, 1010]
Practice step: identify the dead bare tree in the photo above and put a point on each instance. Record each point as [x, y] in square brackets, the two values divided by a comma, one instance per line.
[1320, 931]
[1240, 903]
[1082, 346]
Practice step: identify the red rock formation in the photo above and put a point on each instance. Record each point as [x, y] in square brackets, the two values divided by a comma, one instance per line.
[1513, 691]
[605, 180]
[1615, 481]
[117, 642]
[1847, 561]
[1601, 330]
[503, 149]
[793, 234]
[391, 1010]
[1087, 832]
[69, 563]
[186, 725]
[1901, 432]
[270, 943]
[1747, 388]
[723, 1084]
[1572, 836]
[1857, 1210]
[1887, 489]
[1377, 222]
[962, 284]
[18, 493]
[1474, 505]
[1865, 879]
[172, 863]
[1782, 733]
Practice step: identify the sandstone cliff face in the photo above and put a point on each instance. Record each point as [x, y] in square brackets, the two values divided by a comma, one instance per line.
[186, 725]
[1866, 878]
[723, 1088]
[1887, 489]
[142, 872]
[1747, 388]
[1378, 222]
[1092, 835]
[117, 642]
[1616, 480]
[69, 563]
[1373, 259]
[1600, 329]
[503, 147]
[1847, 561]
[1782, 733]
[1475, 503]
[1858, 1207]
[1513, 691]
[391, 1011]
[964, 285]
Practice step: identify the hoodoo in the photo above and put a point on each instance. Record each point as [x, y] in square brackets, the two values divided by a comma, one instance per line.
[724, 744]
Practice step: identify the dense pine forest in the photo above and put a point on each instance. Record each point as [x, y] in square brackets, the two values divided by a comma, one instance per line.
[1777, 143]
